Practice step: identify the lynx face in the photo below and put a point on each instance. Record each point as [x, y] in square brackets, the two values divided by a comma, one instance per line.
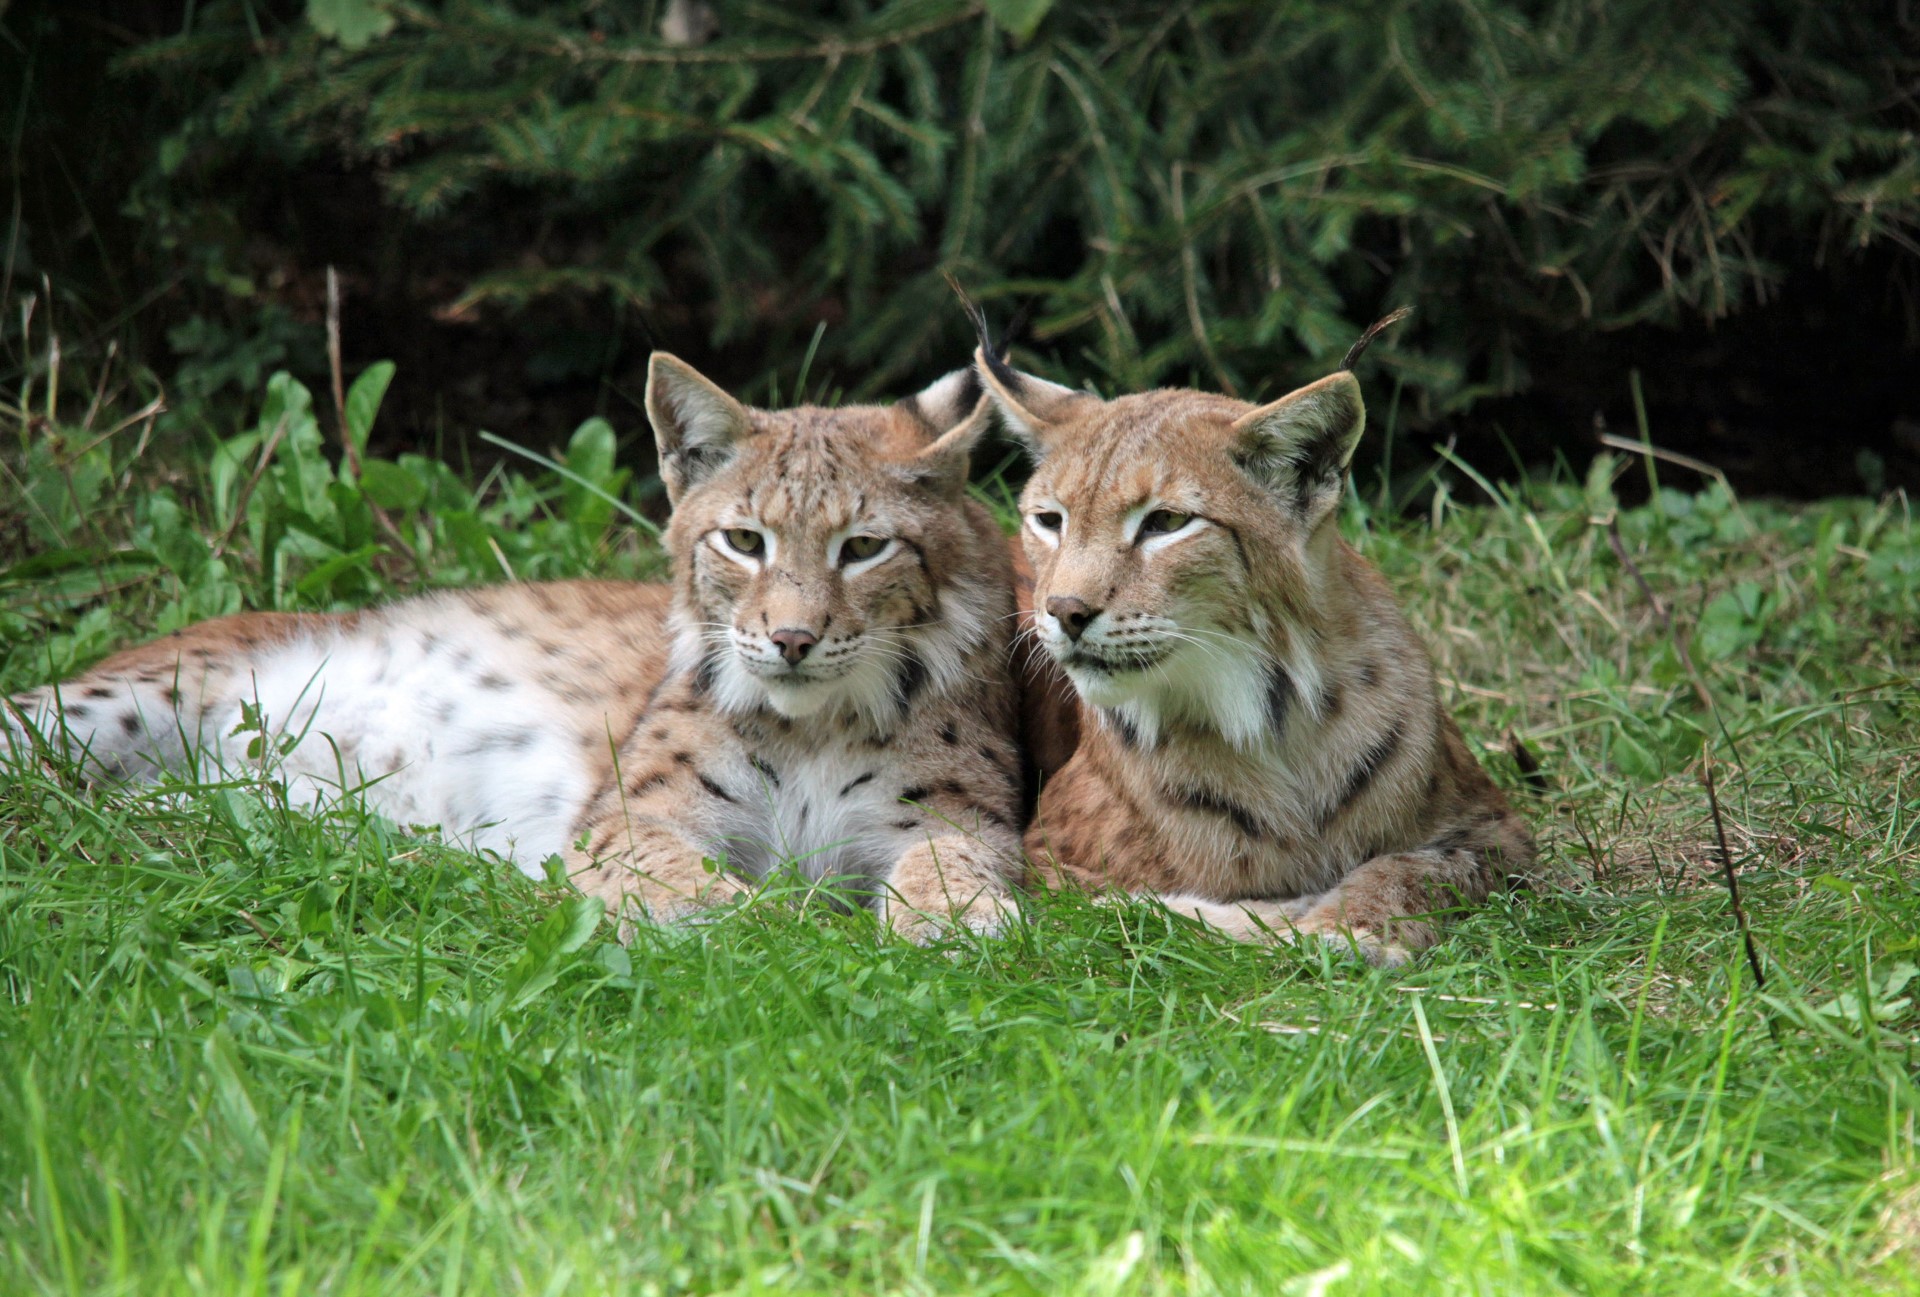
[814, 567]
[1165, 530]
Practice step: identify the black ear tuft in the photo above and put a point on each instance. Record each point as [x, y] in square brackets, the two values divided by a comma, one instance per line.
[1379, 326]
[996, 361]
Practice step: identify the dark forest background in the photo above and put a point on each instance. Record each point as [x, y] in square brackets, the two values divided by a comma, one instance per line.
[1699, 219]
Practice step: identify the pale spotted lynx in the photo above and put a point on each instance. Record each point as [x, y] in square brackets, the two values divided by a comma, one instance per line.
[824, 681]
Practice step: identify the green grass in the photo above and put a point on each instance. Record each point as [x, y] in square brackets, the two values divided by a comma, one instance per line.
[245, 1050]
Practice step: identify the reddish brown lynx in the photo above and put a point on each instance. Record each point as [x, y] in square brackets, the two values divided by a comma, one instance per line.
[1261, 742]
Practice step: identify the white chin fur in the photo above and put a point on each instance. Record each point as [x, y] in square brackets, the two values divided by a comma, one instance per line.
[1221, 686]
[1109, 688]
[799, 699]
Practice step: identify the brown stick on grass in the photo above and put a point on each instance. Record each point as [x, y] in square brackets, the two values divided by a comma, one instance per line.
[352, 454]
[1733, 881]
[335, 368]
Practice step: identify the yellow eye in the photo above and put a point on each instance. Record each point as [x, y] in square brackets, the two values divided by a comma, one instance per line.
[744, 540]
[857, 548]
[1162, 521]
[1048, 521]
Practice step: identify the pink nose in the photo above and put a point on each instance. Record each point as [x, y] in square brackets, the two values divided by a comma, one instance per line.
[794, 643]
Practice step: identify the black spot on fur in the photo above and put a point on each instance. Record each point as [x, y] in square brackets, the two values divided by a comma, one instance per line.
[949, 735]
[1129, 734]
[130, 723]
[705, 674]
[648, 783]
[906, 826]
[995, 818]
[767, 772]
[1331, 700]
[494, 682]
[76, 710]
[715, 789]
[1280, 694]
[683, 758]
[917, 793]
[99, 691]
[1361, 777]
[1370, 674]
[1199, 799]
[852, 784]
[952, 788]
[910, 680]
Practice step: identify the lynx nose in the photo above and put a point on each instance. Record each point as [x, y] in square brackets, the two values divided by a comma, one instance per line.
[794, 643]
[1073, 615]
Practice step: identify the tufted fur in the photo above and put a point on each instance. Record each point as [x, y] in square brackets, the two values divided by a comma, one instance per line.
[1261, 742]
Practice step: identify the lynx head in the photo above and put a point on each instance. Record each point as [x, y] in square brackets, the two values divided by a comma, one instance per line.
[823, 559]
[1178, 542]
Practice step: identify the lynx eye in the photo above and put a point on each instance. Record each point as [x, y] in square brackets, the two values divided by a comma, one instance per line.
[744, 540]
[1162, 522]
[1048, 521]
[859, 548]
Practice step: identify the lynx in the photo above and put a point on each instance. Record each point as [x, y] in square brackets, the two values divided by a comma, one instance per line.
[824, 681]
[1261, 742]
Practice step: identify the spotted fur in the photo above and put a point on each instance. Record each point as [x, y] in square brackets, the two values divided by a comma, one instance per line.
[1261, 742]
[656, 737]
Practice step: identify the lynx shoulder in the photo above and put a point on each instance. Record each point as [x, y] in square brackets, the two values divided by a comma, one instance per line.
[1261, 741]
[823, 683]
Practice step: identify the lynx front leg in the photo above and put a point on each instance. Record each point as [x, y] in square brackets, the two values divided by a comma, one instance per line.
[1242, 920]
[947, 880]
[646, 869]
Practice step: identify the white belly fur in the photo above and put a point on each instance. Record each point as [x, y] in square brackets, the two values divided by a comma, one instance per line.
[406, 722]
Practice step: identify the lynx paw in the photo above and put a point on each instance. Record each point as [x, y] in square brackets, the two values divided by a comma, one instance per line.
[1356, 943]
[987, 914]
[639, 904]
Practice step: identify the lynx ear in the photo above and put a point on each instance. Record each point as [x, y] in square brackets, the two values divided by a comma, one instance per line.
[942, 467]
[696, 425]
[947, 402]
[1031, 408]
[1299, 446]
[1028, 406]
